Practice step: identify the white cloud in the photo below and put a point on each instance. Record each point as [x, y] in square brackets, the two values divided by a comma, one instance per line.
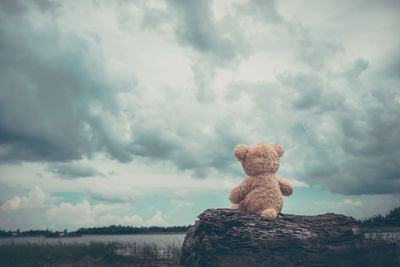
[337, 205]
[84, 214]
[36, 199]
[157, 220]
[25, 212]
[11, 204]
[81, 212]
[136, 220]
[297, 183]
[37, 208]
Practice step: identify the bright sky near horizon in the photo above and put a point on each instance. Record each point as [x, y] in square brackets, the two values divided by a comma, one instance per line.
[127, 112]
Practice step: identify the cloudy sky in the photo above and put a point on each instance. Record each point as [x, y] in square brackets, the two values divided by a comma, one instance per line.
[127, 112]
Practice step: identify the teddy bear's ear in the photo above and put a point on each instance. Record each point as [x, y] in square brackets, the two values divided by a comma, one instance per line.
[279, 150]
[240, 152]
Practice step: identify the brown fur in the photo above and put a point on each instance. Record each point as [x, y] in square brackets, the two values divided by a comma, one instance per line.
[262, 191]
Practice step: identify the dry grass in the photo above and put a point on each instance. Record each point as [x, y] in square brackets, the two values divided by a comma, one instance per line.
[94, 254]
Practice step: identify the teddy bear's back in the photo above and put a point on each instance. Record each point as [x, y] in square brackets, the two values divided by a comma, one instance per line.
[265, 194]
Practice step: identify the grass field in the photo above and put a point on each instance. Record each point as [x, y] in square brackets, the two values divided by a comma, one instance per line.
[94, 254]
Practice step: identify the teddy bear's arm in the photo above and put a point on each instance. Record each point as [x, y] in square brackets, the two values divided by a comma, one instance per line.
[239, 192]
[286, 187]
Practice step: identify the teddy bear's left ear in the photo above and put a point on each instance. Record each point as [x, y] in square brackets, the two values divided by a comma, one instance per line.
[240, 152]
[279, 150]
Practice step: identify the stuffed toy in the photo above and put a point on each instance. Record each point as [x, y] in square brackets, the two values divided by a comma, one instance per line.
[262, 191]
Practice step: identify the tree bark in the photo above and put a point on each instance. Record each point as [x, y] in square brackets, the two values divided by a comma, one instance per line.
[225, 237]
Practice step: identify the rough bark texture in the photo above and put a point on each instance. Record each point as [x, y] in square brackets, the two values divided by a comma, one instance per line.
[225, 237]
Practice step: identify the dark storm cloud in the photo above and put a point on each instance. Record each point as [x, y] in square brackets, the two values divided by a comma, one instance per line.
[13, 7]
[261, 10]
[359, 151]
[372, 145]
[212, 153]
[391, 70]
[340, 127]
[153, 144]
[73, 170]
[220, 40]
[315, 53]
[51, 86]
[307, 89]
[370, 139]
[343, 130]
[185, 145]
[353, 74]
[197, 29]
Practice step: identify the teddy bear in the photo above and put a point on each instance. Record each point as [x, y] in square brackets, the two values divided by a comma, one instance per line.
[262, 191]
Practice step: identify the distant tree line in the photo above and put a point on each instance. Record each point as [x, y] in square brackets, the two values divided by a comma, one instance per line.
[107, 230]
[391, 219]
[122, 230]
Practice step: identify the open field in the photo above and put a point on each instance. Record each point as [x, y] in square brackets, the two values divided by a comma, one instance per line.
[93, 254]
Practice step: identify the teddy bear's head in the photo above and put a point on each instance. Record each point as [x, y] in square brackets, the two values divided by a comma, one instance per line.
[259, 158]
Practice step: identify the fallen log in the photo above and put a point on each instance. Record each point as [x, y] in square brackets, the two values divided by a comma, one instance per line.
[225, 237]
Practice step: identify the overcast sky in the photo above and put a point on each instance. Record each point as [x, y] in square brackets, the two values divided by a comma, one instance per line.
[127, 112]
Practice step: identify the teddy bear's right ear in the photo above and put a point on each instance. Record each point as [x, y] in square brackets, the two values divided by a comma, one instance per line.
[279, 150]
[240, 152]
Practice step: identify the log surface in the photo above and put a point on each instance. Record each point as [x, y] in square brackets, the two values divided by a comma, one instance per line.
[225, 237]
